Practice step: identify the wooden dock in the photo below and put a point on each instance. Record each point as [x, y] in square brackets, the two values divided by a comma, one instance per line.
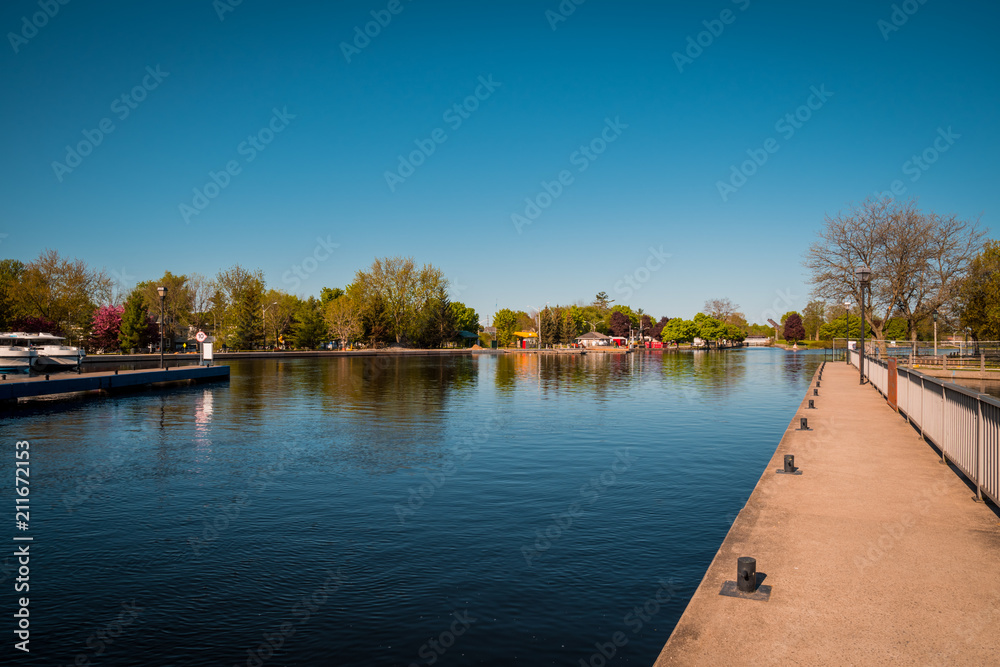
[17, 387]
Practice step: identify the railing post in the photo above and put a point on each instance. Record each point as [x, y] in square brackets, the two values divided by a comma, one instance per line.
[944, 394]
[982, 362]
[980, 450]
[944, 362]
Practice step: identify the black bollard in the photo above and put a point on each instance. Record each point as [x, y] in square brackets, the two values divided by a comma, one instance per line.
[46, 376]
[817, 383]
[803, 424]
[116, 373]
[815, 392]
[746, 574]
[789, 462]
[811, 406]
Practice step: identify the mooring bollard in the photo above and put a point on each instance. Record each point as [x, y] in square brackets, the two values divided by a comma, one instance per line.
[746, 574]
[789, 462]
[815, 392]
[46, 376]
[804, 424]
[116, 373]
[817, 383]
[811, 406]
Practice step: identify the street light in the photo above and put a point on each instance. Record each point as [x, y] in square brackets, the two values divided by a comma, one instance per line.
[847, 343]
[934, 315]
[162, 291]
[863, 273]
[263, 326]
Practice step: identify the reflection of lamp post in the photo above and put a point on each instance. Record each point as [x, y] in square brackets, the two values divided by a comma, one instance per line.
[934, 315]
[847, 342]
[263, 326]
[863, 273]
[162, 291]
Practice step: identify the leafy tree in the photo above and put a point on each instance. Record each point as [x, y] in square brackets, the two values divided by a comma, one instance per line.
[619, 323]
[10, 275]
[327, 294]
[837, 328]
[243, 293]
[813, 317]
[178, 302]
[708, 328]
[308, 328]
[466, 319]
[137, 328]
[505, 322]
[279, 314]
[979, 295]
[401, 289]
[679, 330]
[343, 319]
[794, 331]
[30, 324]
[106, 327]
[633, 317]
[63, 291]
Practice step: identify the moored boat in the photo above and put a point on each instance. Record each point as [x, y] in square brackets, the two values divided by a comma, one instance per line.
[16, 353]
[52, 355]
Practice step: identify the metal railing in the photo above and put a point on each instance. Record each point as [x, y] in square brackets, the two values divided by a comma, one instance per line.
[964, 425]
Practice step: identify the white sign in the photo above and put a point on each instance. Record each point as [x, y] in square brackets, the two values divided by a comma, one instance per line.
[206, 351]
[200, 336]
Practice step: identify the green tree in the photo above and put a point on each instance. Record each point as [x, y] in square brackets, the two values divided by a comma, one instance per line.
[813, 317]
[679, 330]
[10, 275]
[602, 302]
[505, 322]
[401, 288]
[309, 329]
[435, 321]
[708, 328]
[572, 324]
[327, 294]
[63, 291]
[343, 319]
[466, 319]
[137, 327]
[243, 294]
[979, 294]
[547, 334]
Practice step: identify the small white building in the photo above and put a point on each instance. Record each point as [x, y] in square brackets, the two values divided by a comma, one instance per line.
[593, 338]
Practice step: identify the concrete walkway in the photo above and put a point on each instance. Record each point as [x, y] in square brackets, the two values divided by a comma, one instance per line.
[876, 554]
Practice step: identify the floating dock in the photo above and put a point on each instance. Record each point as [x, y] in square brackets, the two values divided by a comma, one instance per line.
[16, 387]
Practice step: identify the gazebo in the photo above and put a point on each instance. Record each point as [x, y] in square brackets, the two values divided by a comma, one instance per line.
[592, 338]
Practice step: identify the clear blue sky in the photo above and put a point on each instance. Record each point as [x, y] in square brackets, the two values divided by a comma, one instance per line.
[885, 94]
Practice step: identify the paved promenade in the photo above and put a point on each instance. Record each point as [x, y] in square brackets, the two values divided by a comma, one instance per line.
[876, 554]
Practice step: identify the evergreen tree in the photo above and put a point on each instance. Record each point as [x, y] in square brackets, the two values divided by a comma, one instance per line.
[547, 328]
[309, 328]
[137, 328]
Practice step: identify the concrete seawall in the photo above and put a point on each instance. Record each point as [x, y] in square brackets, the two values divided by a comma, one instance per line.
[876, 554]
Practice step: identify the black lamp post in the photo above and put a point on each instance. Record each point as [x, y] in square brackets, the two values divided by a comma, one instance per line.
[162, 291]
[934, 315]
[863, 273]
[847, 342]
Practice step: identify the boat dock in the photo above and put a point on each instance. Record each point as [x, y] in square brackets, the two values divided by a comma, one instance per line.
[877, 553]
[14, 388]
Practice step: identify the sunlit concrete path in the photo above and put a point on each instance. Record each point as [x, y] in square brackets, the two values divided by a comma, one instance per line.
[876, 554]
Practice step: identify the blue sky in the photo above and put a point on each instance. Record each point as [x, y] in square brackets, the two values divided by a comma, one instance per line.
[641, 138]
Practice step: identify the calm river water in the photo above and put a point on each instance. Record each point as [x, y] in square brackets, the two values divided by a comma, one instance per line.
[453, 510]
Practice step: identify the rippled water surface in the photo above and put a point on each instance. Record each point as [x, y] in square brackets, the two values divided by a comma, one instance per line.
[393, 511]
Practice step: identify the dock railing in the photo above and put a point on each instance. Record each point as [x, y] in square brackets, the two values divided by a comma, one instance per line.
[964, 425]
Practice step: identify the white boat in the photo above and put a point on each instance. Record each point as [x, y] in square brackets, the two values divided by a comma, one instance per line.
[52, 355]
[16, 353]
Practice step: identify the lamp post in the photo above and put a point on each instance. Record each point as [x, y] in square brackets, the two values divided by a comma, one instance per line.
[863, 273]
[263, 326]
[934, 315]
[847, 341]
[162, 291]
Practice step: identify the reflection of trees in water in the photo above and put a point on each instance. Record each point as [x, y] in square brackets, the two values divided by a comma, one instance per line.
[711, 372]
[559, 373]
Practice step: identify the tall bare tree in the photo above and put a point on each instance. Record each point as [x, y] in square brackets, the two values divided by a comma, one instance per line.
[917, 260]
